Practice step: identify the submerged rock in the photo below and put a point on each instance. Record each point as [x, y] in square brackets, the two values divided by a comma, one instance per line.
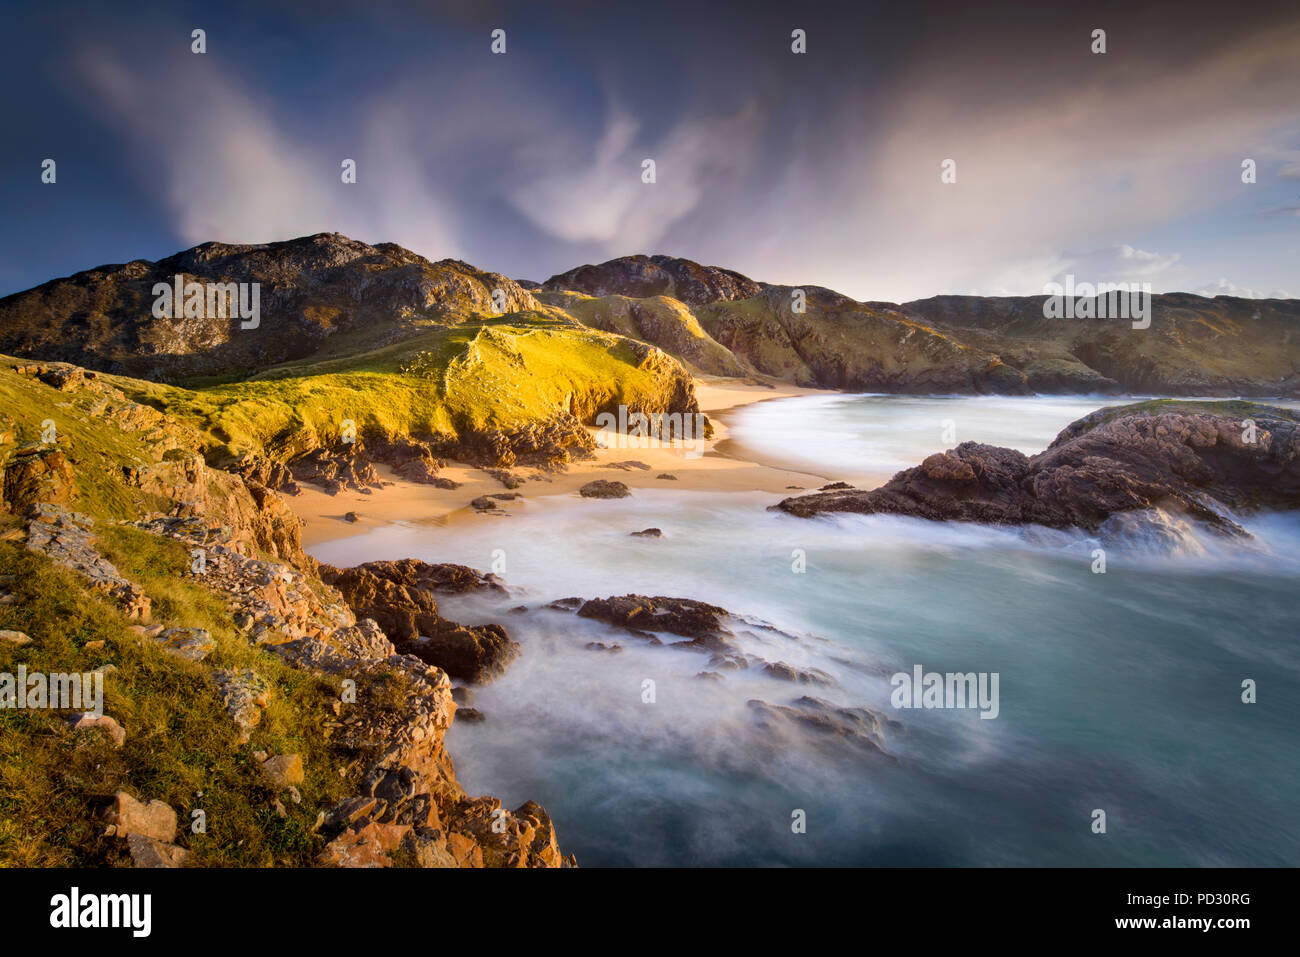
[859, 727]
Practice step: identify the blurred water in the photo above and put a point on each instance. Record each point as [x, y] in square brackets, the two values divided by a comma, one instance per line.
[1118, 692]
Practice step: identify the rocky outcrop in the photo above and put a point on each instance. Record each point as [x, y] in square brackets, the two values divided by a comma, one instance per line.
[1200, 460]
[66, 538]
[37, 473]
[400, 597]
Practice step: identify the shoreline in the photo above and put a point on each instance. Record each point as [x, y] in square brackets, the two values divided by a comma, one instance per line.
[723, 465]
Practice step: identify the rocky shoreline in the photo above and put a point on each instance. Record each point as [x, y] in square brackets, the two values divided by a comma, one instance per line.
[1201, 460]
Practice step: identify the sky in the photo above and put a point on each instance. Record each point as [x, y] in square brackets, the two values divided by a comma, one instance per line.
[816, 168]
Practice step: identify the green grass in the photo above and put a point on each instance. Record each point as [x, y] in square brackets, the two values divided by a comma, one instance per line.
[181, 747]
[1229, 407]
[501, 373]
[97, 449]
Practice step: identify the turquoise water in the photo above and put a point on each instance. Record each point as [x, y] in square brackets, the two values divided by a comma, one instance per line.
[1119, 692]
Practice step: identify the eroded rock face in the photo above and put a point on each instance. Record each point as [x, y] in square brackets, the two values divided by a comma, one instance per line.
[1190, 460]
[39, 473]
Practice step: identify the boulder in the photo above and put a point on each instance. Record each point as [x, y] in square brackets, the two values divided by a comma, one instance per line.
[601, 488]
[128, 816]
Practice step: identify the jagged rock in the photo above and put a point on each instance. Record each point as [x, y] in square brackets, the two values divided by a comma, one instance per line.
[352, 809]
[648, 533]
[429, 848]
[601, 646]
[64, 537]
[39, 473]
[128, 816]
[1189, 459]
[399, 596]
[505, 477]
[336, 470]
[369, 846]
[474, 654]
[729, 662]
[351, 517]
[600, 488]
[244, 694]
[524, 837]
[700, 622]
[666, 476]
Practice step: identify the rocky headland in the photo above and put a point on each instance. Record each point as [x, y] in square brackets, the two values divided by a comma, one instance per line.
[1202, 460]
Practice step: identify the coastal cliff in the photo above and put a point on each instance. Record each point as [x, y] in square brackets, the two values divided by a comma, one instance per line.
[249, 716]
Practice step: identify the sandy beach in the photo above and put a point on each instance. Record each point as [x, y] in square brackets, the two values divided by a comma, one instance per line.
[718, 464]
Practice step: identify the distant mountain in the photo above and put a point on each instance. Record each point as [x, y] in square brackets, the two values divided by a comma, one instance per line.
[962, 344]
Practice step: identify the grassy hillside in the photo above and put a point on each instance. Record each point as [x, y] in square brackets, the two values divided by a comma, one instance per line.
[497, 374]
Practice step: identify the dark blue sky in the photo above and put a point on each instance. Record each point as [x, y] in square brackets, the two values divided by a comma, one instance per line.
[816, 168]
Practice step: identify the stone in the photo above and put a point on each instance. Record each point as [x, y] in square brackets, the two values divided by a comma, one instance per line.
[283, 770]
[648, 533]
[148, 852]
[244, 694]
[370, 846]
[155, 819]
[601, 488]
[104, 723]
[191, 644]
[15, 637]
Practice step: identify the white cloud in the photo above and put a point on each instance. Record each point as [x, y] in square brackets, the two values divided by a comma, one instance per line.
[1223, 287]
[597, 194]
[232, 173]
